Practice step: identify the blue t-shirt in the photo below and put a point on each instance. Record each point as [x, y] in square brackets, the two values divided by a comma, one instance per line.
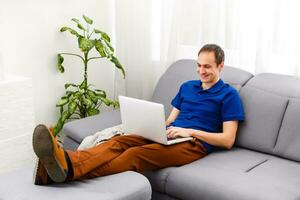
[206, 110]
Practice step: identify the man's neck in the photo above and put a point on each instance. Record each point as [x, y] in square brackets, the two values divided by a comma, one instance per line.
[206, 86]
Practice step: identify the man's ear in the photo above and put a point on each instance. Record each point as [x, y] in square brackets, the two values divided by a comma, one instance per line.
[221, 66]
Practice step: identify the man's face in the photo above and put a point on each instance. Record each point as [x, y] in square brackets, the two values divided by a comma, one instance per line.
[207, 68]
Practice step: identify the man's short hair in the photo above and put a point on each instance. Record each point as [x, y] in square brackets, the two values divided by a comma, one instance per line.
[218, 51]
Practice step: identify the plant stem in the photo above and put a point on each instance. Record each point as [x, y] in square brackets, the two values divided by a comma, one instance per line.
[94, 58]
[85, 69]
[85, 78]
[72, 54]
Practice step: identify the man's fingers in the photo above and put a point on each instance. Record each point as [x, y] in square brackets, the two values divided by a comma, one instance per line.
[169, 131]
[172, 133]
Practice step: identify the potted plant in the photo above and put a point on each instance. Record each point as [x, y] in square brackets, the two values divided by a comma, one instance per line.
[82, 100]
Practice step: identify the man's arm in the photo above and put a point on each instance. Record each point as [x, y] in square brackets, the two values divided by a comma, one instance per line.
[173, 115]
[225, 139]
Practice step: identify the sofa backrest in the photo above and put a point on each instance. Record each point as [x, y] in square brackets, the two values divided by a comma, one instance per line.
[184, 70]
[272, 110]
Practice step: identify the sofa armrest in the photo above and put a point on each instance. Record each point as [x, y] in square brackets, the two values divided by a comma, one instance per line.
[79, 129]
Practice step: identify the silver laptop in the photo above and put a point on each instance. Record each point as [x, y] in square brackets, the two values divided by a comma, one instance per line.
[146, 119]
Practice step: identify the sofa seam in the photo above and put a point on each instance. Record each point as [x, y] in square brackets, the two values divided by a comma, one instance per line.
[283, 116]
[255, 166]
[166, 180]
[247, 81]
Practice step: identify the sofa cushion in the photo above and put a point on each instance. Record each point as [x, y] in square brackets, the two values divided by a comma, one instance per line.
[79, 129]
[277, 178]
[70, 144]
[283, 85]
[129, 185]
[288, 143]
[235, 160]
[158, 178]
[184, 70]
[263, 115]
[232, 175]
[265, 98]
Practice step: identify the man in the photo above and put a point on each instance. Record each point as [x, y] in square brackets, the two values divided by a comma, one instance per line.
[206, 109]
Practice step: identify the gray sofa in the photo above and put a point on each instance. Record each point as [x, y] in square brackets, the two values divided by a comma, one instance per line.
[263, 164]
[265, 160]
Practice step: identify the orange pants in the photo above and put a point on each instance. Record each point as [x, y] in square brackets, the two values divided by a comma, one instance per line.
[132, 152]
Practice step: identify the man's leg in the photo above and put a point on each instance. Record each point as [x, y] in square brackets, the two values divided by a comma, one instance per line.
[119, 154]
[150, 157]
[88, 160]
[58, 163]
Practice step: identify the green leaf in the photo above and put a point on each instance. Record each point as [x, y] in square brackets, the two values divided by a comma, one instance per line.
[72, 31]
[108, 52]
[58, 127]
[88, 20]
[91, 93]
[97, 31]
[115, 104]
[118, 65]
[100, 93]
[85, 44]
[62, 102]
[72, 107]
[92, 96]
[75, 20]
[110, 47]
[106, 101]
[82, 85]
[105, 36]
[100, 48]
[87, 102]
[80, 26]
[70, 84]
[93, 111]
[77, 95]
[65, 116]
[59, 65]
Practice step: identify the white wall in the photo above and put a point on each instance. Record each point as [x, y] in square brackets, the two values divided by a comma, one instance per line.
[30, 40]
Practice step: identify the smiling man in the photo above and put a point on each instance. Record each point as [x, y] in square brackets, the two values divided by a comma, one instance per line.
[207, 109]
[212, 107]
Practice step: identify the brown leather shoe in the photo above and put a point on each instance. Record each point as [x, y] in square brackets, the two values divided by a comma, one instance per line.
[40, 176]
[50, 154]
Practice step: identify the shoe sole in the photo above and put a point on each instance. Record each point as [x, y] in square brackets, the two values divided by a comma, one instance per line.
[36, 168]
[43, 148]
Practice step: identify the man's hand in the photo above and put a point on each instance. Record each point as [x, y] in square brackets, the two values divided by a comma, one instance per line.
[174, 132]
